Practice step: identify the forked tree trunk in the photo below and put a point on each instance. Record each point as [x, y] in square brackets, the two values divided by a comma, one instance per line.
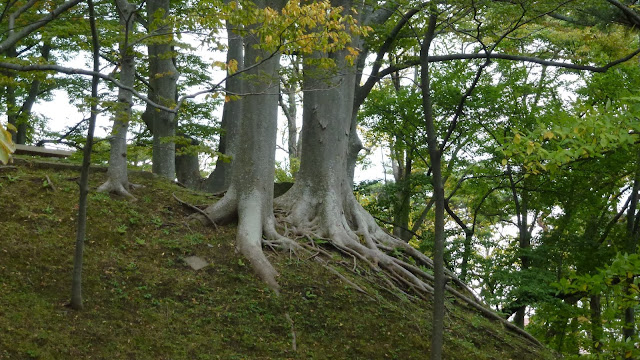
[117, 176]
[250, 193]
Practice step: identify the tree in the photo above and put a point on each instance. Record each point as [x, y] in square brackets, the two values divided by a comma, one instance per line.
[117, 173]
[163, 77]
[76, 288]
[231, 114]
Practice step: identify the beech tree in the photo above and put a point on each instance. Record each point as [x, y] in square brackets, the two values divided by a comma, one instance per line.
[163, 76]
[117, 173]
[333, 41]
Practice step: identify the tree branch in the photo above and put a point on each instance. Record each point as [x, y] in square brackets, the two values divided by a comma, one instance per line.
[524, 58]
[632, 15]
[27, 30]
[74, 71]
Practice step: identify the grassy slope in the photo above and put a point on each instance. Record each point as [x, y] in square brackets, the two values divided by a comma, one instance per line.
[143, 302]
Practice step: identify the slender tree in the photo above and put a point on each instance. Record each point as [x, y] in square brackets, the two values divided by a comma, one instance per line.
[76, 288]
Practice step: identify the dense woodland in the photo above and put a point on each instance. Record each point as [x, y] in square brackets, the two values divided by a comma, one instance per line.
[509, 130]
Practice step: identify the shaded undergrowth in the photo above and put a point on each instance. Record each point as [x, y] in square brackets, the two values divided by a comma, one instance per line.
[143, 302]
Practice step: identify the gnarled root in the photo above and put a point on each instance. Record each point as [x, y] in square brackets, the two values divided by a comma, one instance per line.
[117, 188]
[341, 221]
[255, 220]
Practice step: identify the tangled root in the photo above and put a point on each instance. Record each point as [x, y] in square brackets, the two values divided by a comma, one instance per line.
[117, 188]
[350, 229]
[304, 220]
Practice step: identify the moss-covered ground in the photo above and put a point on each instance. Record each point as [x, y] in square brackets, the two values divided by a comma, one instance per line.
[143, 302]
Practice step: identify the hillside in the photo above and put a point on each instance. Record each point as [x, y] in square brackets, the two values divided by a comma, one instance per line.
[142, 301]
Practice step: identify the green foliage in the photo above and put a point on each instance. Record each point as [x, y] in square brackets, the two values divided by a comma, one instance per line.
[285, 172]
[616, 284]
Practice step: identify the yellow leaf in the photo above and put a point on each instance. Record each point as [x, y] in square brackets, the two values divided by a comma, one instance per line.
[232, 66]
[549, 135]
[530, 147]
[516, 139]
[7, 147]
[11, 127]
[504, 162]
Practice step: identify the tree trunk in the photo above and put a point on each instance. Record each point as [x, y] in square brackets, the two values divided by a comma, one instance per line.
[117, 176]
[435, 158]
[250, 193]
[25, 110]
[524, 238]
[321, 203]
[163, 76]
[290, 110]
[188, 165]
[596, 323]
[466, 254]
[633, 232]
[402, 208]
[219, 179]
[76, 284]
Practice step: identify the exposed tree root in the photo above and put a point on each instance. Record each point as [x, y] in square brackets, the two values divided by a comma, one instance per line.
[116, 187]
[350, 229]
[197, 209]
[294, 347]
[50, 183]
[307, 223]
[255, 221]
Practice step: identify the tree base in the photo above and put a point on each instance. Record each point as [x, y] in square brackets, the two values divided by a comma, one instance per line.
[117, 188]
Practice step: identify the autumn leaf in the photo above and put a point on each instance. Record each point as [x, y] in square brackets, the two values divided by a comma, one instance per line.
[7, 147]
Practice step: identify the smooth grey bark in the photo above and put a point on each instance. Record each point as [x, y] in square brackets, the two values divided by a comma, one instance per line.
[219, 179]
[321, 202]
[163, 76]
[76, 283]
[188, 165]
[249, 197]
[371, 18]
[117, 174]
